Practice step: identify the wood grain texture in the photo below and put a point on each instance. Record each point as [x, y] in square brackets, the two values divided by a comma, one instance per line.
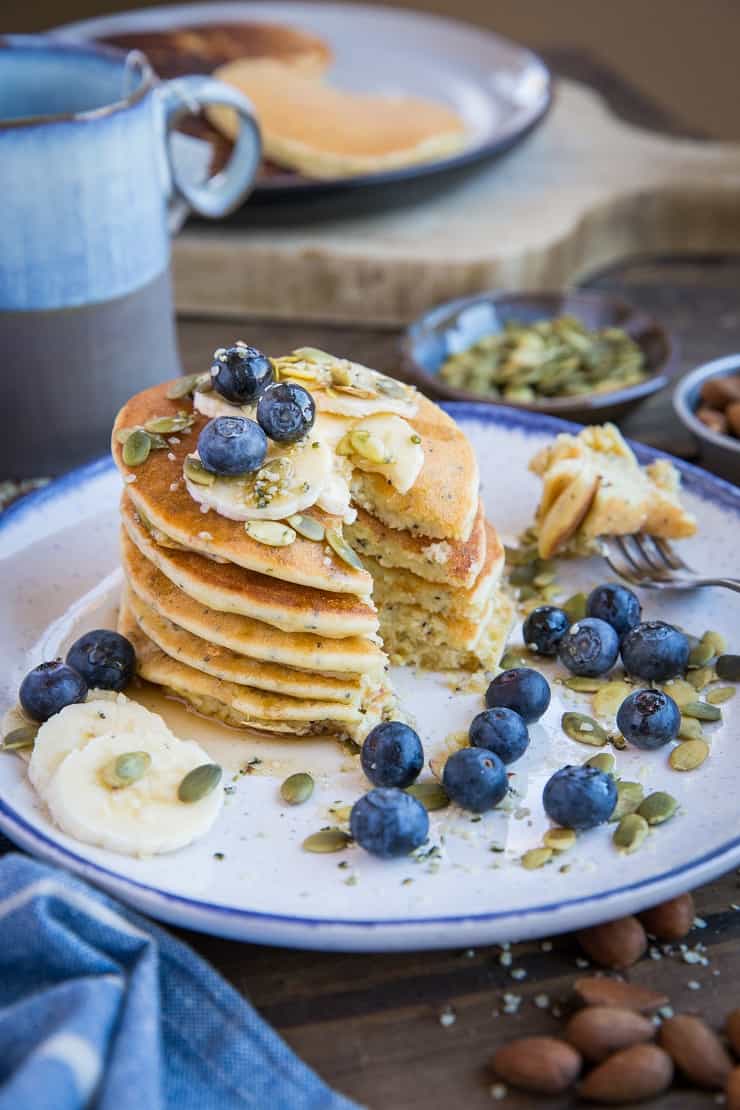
[583, 191]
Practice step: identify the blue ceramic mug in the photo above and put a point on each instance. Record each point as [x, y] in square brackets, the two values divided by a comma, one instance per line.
[91, 187]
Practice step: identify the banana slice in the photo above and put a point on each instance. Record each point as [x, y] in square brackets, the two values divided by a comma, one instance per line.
[140, 819]
[76, 725]
[212, 404]
[290, 480]
[388, 445]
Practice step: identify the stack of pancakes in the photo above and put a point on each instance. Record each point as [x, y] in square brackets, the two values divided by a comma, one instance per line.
[293, 639]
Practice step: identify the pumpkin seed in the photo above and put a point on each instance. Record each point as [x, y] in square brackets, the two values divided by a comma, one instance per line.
[122, 434]
[546, 578]
[702, 711]
[536, 857]
[575, 607]
[297, 788]
[560, 840]
[126, 769]
[523, 575]
[432, 795]
[328, 840]
[720, 694]
[584, 729]
[716, 641]
[603, 761]
[629, 797]
[270, 532]
[690, 729]
[521, 556]
[683, 693]
[701, 654]
[617, 741]
[199, 782]
[340, 547]
[658, 807]
[511, 658]
[136, 448]
[728, 668]
[166, 425]
[196, 473]
[608, 699]
[20, 739]
[700, 677]
[689, 755]
[369, 446]
[307, 526]
[185, 385]
[390, 387]
[630, 833]
[583, 684]
[159, 443]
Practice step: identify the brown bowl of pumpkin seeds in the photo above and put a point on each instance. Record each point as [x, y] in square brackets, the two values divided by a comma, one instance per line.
[582, 355]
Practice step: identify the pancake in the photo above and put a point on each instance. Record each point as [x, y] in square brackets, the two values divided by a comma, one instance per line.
[201, 47]
[394, 585]
[414, 637]
[232, 589]
[325, 132]
[347, 657]
[158, 489]
[232, 667]
[239, 706]
[456, 563]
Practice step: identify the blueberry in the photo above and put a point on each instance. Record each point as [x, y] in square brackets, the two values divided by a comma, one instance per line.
[392, 754]
[590, 647]
[241, 373]
[232, 445]
[616, 605]
[544, 628]
[475, 778]
[105, 659]
[580, 797]
[501, 731]
[522, 689]
[286, 412]
[655, 651]
[49, 687]
[649, 719]
[388, 823]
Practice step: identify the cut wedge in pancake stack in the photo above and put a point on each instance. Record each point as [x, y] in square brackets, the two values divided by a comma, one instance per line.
[270, 599]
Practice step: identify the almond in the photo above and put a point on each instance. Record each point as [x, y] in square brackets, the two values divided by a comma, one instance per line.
[641, 1071]
[597, 990]
[616, 944]
[733, 1089]
[670, 920]
[599, 1031]
[543, 1065]
[696, 1050]
[732, 1029]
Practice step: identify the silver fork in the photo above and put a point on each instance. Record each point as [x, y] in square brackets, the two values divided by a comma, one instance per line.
[651, 563]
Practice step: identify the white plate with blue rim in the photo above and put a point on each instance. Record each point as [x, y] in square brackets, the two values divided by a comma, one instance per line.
[500, 89]
[250, 879]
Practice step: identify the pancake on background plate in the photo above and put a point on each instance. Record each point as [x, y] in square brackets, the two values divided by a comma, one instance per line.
[200, 48]
[325, 132]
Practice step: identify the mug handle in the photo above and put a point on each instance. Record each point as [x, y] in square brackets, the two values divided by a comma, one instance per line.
[224, 192]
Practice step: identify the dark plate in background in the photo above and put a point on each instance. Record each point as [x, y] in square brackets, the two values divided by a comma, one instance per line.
[501, 90]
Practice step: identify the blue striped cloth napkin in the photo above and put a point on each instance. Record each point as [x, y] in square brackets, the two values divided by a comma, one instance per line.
[101, 1008]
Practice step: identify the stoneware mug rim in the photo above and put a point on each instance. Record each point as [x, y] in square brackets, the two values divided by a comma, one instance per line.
[134, 58]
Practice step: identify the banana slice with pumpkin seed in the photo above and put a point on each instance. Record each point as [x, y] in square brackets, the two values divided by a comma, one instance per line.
[121, 792]
[385, 444]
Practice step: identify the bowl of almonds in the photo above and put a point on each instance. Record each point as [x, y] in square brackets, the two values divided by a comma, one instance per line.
[707, 401]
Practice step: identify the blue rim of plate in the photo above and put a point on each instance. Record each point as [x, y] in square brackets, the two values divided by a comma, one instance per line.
[703, 484]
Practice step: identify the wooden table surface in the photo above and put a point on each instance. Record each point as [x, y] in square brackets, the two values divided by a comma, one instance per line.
[370, 1024]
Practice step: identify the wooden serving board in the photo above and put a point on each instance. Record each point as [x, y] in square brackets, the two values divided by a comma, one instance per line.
[583, 191]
